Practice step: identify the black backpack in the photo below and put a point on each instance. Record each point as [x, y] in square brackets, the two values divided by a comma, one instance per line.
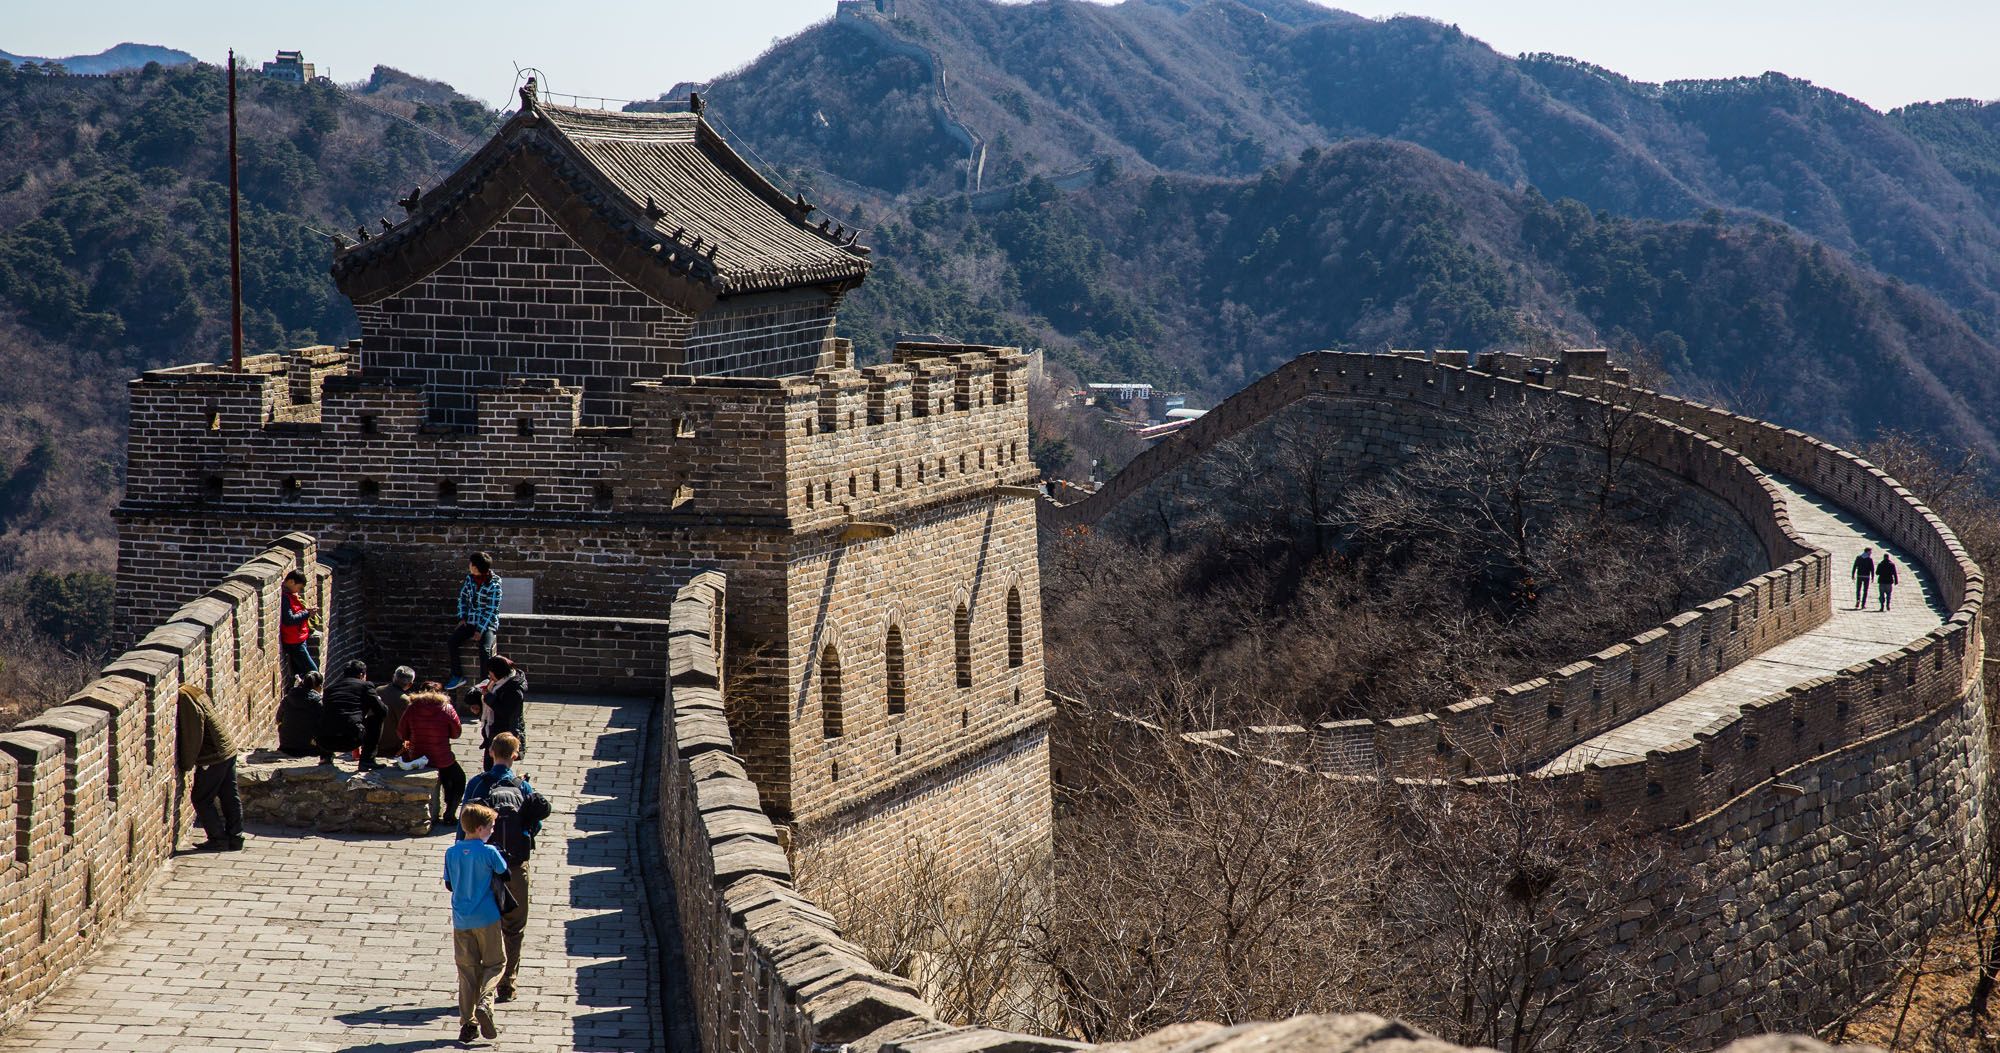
[517, 810]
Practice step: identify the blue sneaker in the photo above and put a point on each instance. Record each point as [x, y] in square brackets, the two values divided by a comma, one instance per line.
[456, 683]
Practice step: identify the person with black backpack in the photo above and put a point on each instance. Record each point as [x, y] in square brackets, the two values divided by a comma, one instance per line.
[520, 811]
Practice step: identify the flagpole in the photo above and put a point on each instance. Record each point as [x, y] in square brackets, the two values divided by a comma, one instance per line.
[235, 246]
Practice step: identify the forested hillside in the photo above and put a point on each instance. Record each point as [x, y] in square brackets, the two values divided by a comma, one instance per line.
[1374, 245]
[114, 258]
[1230, 87]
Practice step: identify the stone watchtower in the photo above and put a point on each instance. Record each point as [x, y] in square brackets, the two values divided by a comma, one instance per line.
[603, 350]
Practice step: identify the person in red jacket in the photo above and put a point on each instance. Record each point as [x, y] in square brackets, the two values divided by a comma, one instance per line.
[429, 724]
[295, 629]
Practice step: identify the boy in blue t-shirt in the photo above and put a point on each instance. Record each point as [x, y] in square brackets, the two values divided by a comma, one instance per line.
[470, 865]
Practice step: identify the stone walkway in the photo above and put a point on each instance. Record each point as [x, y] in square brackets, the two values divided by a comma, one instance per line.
[1850, 636]
[311, 943]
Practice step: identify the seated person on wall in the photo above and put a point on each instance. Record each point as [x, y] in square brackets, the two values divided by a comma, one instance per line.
[299, 717]
[478, 615]
[394, 696]
[203, 746]
[351, 717]
[504, 709]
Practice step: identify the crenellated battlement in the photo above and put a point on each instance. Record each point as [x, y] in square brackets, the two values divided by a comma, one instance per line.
[305, 433]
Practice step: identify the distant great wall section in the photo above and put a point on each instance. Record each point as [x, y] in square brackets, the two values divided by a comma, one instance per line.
[1850, 801]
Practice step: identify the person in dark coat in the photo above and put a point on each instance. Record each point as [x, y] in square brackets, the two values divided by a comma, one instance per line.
[1864, 574]
[506, 701]
[351, 717]
[204, 747]
[299, 717]
[394, 696]
[1885, 581]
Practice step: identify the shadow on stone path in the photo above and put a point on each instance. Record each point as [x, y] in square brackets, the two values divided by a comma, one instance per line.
[342, 942]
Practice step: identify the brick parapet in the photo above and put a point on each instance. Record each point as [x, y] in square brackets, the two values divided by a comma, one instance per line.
[90, 790]
[1536, 719]
[808, 453]
[590, 655]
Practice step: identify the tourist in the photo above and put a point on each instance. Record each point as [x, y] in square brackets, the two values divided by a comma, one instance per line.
[350, 717]
[478, 615]
[505, 691]
[394, 696]
[425, 730]
[295, 629]
[1864, 572]
[202, 745]
[299, 716]
[470, 867]
[521, 811]
[1885, 581]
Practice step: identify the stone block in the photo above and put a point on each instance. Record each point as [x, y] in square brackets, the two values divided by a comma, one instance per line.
[300, 794]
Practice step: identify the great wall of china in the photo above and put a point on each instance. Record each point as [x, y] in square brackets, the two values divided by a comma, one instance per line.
[822, 592]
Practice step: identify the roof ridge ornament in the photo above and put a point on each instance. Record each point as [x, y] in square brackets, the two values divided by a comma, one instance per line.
[695, 103]
[528, 95]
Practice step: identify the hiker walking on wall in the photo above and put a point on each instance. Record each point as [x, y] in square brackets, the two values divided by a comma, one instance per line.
[203, 746]
[1885, 582]
[473, 872]
[478, 615]
[520, 812]
[295, 629]
[1864, 573]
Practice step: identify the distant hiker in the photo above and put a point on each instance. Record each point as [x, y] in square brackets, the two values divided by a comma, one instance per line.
[478, 615]
[1864, 572]
[1885, 581]
[471, 867]
[202, 745]
[295, 629]
[351, 717]
[521, 811]
[394, 695]
[505, 691]
[426, 729]
[299, 717]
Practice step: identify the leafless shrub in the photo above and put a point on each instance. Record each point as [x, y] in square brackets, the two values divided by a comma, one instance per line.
[963, 935]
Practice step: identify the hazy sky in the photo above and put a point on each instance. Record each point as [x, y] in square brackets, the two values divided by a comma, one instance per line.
[1885, 54]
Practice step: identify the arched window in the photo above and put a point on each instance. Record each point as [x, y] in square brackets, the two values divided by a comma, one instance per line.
[1017, 644]
[961, 639]
[892, 666]
[829, 692]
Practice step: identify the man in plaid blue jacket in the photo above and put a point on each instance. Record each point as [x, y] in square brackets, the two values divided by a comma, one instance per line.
[478, 615]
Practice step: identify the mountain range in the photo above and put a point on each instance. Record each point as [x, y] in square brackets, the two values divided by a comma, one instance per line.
[953, 95]
[116, 59]
[1186, 192]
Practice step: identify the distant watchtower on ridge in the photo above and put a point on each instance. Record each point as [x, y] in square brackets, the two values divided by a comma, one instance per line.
[604, 350]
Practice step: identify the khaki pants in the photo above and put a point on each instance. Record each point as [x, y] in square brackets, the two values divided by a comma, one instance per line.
[480, 958]
[514, 923]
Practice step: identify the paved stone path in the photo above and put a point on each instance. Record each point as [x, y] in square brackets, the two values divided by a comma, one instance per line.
[1850, 636]
[324, 943]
